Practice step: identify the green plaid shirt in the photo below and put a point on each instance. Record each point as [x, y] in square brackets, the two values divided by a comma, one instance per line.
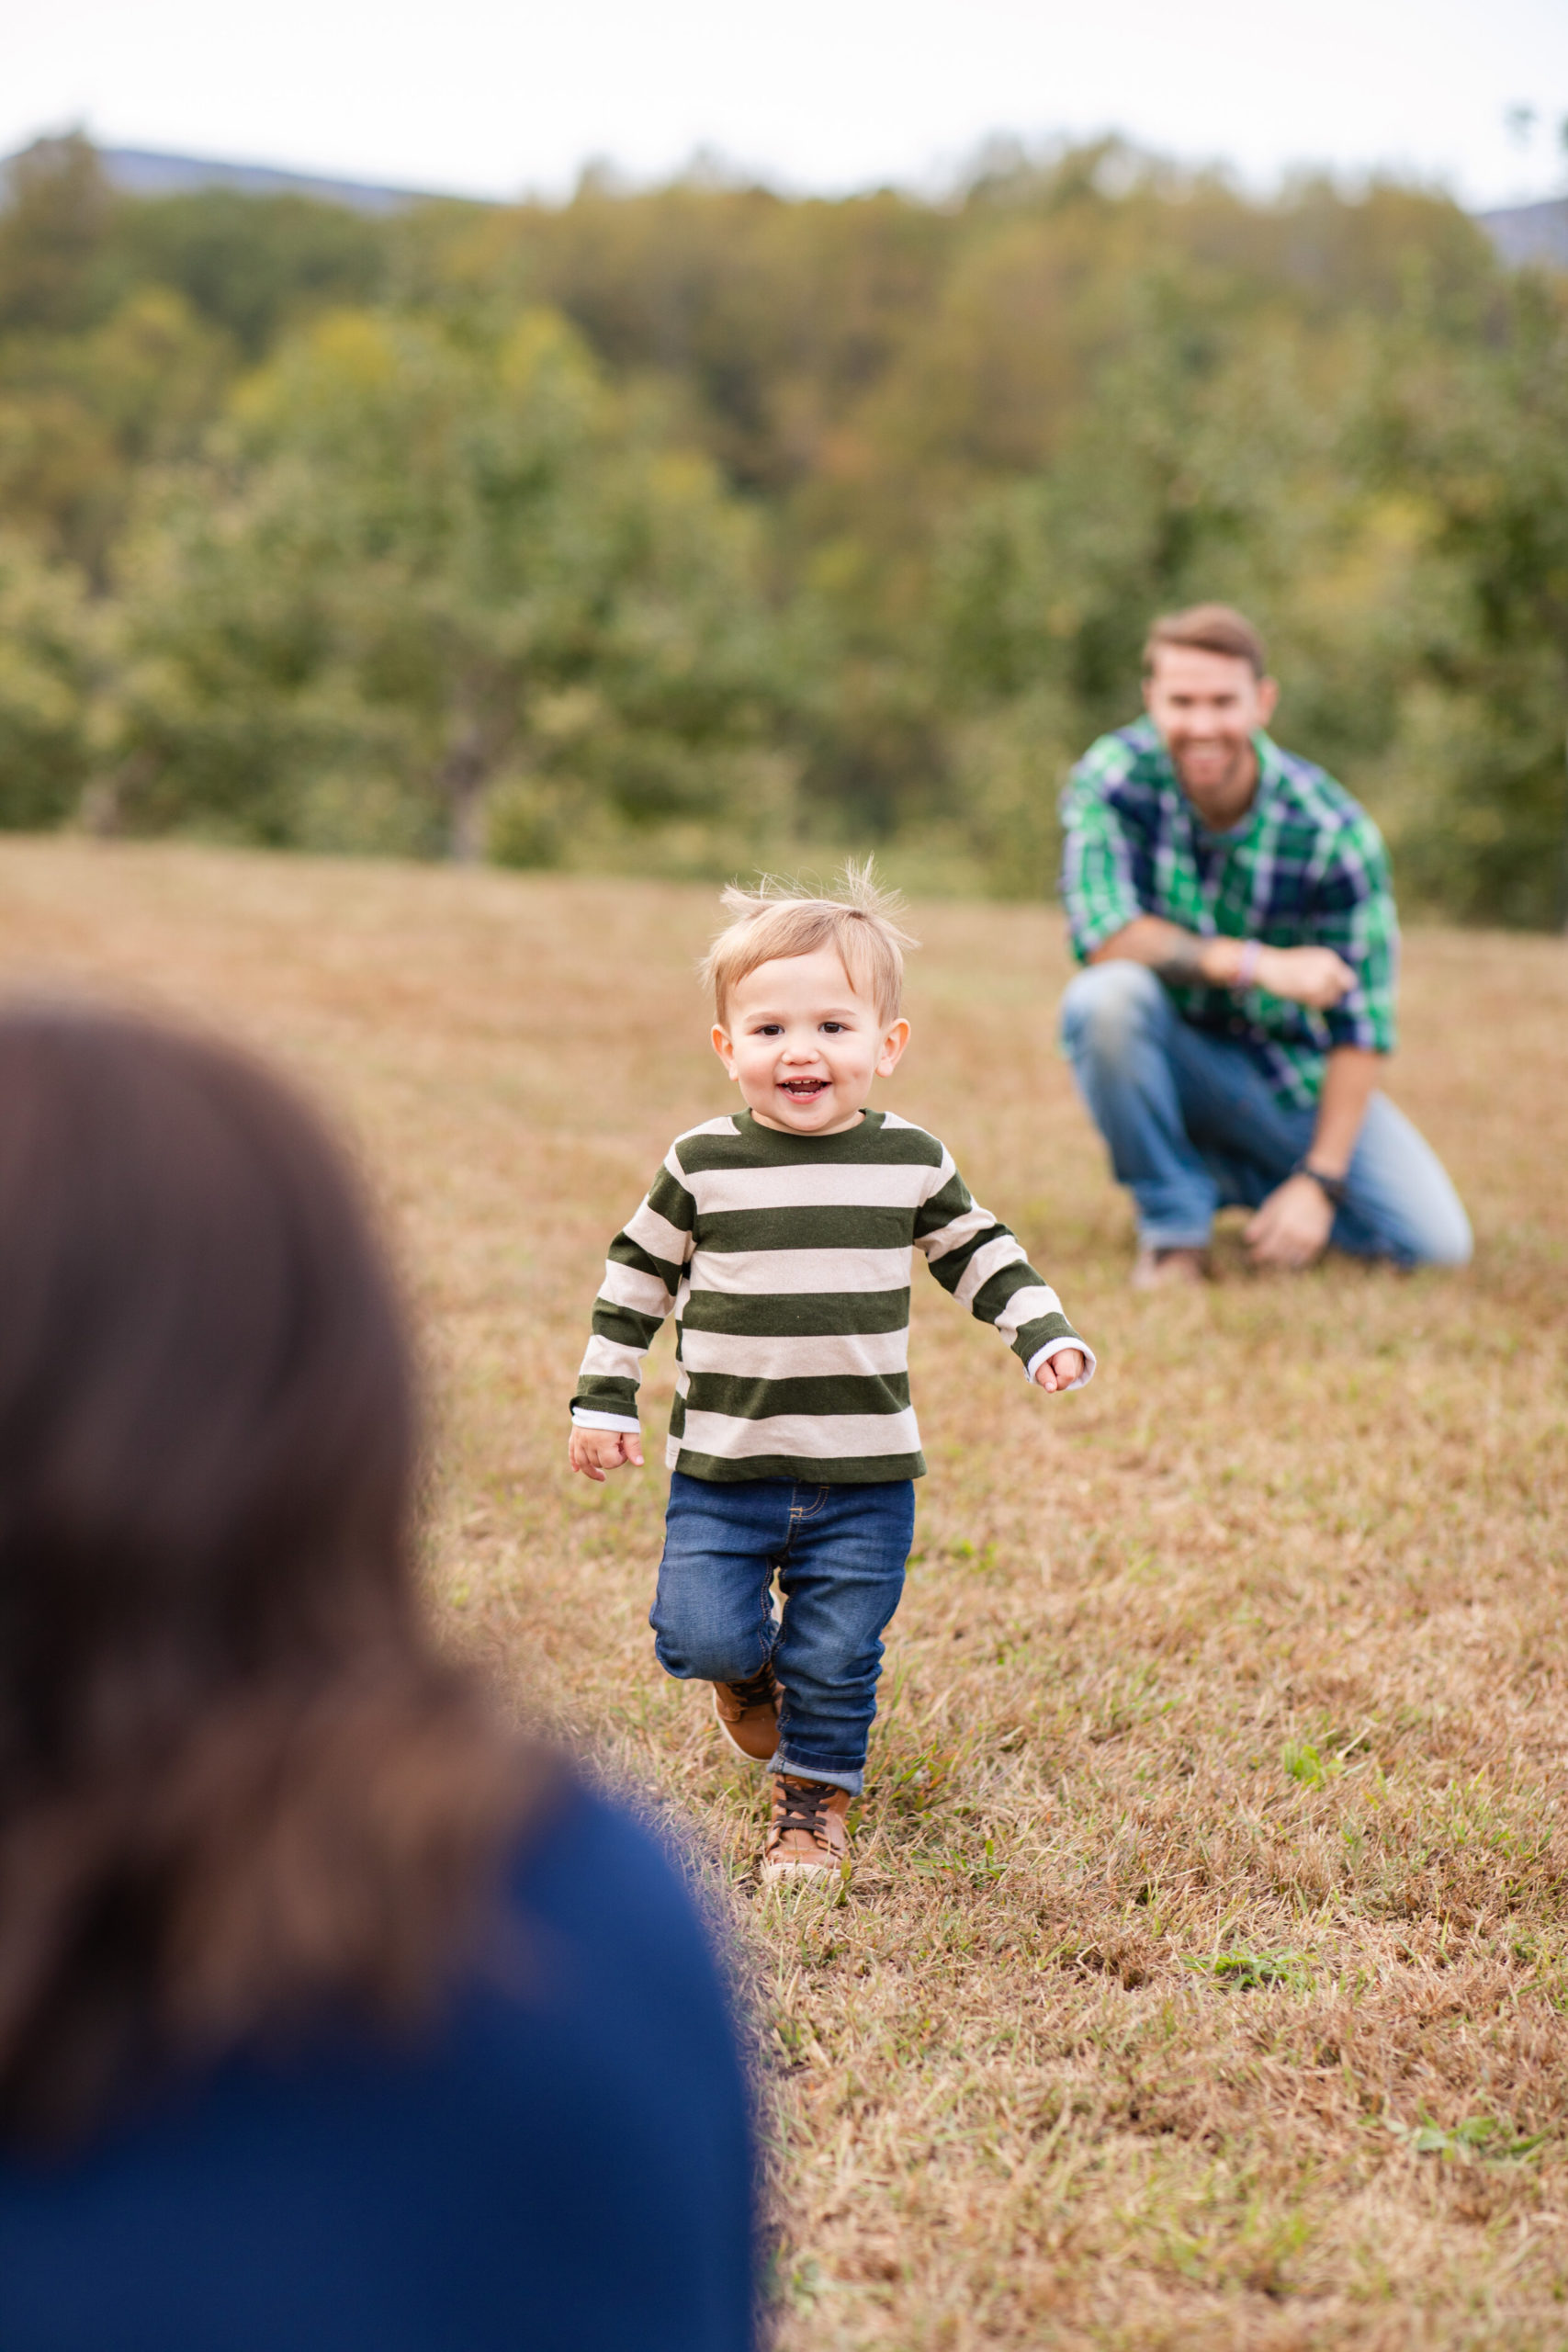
[1305, 868]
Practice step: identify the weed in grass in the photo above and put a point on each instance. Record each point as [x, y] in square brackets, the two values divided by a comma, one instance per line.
[1304, 1763]
[1478, 2139]
[1246, 1971]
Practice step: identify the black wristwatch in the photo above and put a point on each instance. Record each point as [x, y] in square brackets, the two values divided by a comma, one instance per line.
[1333, 1186]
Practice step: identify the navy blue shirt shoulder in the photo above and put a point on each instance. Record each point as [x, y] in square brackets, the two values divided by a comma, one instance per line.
[566, 2166]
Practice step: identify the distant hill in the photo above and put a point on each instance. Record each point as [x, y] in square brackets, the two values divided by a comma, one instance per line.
[1531, 234]
[1523, 234]
[141, 171]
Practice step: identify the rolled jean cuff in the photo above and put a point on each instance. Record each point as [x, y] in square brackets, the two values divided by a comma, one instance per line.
[1159, 1236]
[839, 1776]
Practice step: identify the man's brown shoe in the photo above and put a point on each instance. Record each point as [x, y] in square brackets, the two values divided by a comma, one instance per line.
[1168, 1269]
[808, 1836]
[748, 1714]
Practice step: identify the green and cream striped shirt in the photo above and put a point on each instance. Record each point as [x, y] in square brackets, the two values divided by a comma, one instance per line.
[787, 1260]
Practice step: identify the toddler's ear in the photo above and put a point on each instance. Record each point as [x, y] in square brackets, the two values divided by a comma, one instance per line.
[724, 1049]
[893, 1047]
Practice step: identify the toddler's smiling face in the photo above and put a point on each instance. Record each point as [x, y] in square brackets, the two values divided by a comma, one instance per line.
[804, 1044]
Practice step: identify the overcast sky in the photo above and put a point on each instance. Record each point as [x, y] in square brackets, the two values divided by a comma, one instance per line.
[494, 96]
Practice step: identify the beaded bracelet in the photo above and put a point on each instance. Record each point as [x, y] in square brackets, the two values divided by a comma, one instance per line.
[1247, 970]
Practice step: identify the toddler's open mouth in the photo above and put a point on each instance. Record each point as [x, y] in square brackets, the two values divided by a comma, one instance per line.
[803, 1090]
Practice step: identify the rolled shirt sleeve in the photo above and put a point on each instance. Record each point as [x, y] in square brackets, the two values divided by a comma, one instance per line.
[983, 1265]
[1099, 892]
[1353, 912]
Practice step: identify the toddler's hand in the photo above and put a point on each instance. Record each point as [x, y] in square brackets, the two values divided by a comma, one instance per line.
[1061, 1370]
[595, 1451]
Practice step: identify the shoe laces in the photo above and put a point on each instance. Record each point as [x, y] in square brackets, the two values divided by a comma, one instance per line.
[760, 1691]
[805, 1803]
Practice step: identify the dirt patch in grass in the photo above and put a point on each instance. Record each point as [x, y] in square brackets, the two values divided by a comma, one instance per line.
[1202, 1981]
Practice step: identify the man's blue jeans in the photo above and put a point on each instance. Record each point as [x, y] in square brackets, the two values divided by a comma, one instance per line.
[839, 1555]
[1193, 1125]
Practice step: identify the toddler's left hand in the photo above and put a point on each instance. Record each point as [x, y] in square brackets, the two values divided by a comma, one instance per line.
[1060, 1370]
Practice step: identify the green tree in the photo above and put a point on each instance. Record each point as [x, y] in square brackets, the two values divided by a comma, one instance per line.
[84, 417]
[425, 567]
[1214, 465]
[50, 660]
[54, 229]
[249, 266]
[1484, 433]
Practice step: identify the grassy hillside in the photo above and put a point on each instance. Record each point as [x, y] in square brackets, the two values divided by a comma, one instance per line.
[1204, 1979]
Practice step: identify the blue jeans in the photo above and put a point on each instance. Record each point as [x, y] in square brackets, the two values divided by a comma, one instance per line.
[1193, 1125]
[839, 1555]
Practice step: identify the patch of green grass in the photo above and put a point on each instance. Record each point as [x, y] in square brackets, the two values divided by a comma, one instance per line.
[1304, 1763]
[1249, 1972]
[1479, 2138]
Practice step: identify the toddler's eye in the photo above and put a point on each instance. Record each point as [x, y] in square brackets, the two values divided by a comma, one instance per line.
[834, 1028]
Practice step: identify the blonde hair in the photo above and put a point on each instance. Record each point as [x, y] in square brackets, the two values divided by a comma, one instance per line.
[777, 918]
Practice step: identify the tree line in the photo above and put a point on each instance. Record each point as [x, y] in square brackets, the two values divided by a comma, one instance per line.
[683, 529]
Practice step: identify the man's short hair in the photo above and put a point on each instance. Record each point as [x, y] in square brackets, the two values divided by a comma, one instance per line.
[859, 920]
[1208, 628]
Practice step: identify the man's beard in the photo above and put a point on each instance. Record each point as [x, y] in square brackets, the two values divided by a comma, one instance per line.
[1231, 782]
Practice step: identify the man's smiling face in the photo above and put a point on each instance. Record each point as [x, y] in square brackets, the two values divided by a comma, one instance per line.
[804, 1044]
[1208, 706]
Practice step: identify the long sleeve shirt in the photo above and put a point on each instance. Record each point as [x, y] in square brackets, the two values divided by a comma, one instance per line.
[564, 2161]
[787, 1259]
[1306, 867]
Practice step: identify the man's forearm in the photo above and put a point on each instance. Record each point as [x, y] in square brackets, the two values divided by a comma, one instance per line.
[1350, 1075]
[1179, 956]
[1315, 976]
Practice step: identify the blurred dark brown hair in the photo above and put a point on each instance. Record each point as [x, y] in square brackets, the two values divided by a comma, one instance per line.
[1209, 628]
[237, 1784]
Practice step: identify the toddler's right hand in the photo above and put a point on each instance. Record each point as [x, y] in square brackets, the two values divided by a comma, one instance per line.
[595, 1451]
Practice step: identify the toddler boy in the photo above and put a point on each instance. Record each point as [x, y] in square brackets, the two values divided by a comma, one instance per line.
[781, 1236]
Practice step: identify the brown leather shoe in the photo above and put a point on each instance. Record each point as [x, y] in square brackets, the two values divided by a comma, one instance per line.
[1168, 1269]
[748, 1714]
[808, 1836]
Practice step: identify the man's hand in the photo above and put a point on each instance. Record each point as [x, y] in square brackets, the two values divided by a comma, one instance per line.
[1313, 976]
[1291, 1229]
[1061, 1370]
[594, 1451]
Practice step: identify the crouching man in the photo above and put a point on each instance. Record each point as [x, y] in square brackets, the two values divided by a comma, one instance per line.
[1231, 905]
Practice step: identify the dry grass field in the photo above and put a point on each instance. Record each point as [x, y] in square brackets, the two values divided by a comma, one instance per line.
[1203, 1981]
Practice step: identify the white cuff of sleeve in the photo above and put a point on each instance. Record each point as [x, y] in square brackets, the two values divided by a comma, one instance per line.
[1055, 1347]
[587, 1421]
